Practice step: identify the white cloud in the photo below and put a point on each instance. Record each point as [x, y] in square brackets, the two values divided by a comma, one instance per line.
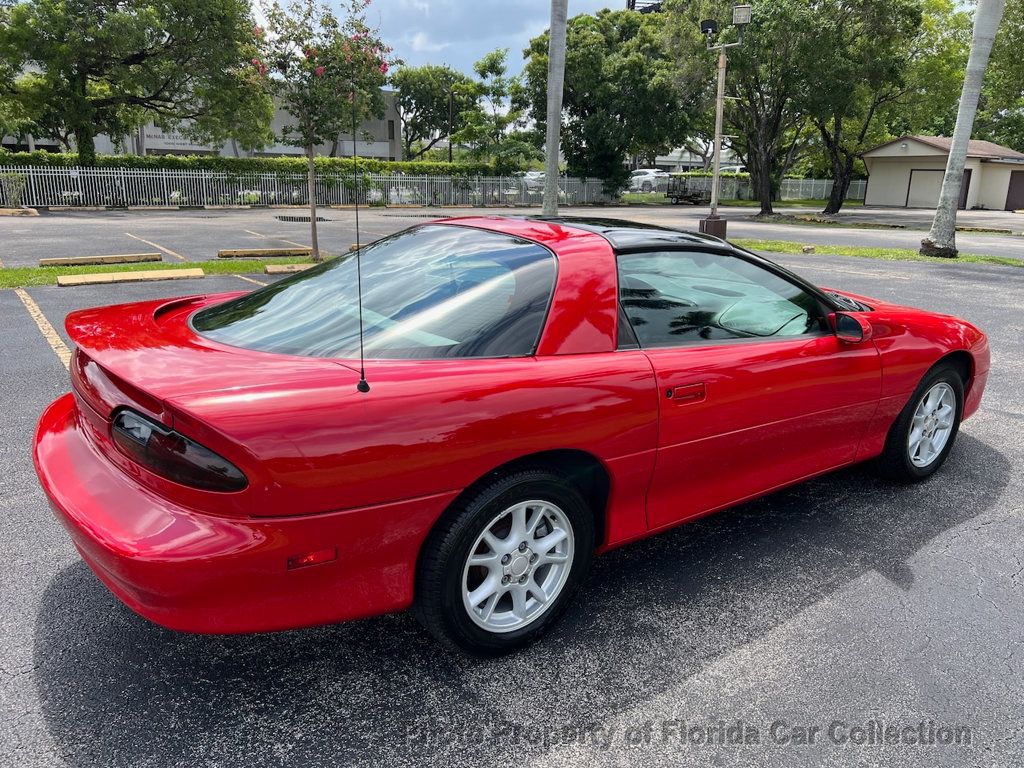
[421, 43]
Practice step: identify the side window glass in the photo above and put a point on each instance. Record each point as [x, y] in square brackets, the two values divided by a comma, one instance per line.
[674, 297]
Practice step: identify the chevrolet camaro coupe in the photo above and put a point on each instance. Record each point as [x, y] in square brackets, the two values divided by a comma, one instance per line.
[539, 391]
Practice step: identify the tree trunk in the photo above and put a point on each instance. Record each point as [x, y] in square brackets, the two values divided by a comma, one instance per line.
[85, 145]
[556, 77]
[941, 240]
[311, 180]
[842, 173]
[761, 181]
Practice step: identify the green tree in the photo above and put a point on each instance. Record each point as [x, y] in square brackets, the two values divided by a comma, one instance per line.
[1001, 110]
[325, 73]
[427, 97]
[854, 66]
[106, 66]
[623, 94]
[494, 127]
[765, 74]
[933, 75]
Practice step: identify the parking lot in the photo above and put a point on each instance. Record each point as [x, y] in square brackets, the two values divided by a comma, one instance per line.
[197, 235]
[845, 599]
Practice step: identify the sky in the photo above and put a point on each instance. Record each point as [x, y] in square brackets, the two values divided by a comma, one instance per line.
[459, 32]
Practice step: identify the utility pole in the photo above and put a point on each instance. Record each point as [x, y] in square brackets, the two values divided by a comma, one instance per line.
[451, 103]
[713, 224]
[556, 80]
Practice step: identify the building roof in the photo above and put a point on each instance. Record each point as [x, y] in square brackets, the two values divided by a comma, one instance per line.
[986, 150]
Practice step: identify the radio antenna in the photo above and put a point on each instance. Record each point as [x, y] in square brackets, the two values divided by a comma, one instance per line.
[363, 385]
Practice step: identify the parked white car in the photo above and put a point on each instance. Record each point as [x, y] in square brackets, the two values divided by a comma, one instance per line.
[647, 180]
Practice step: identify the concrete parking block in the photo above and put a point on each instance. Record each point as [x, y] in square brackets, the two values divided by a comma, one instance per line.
[116, 258]
[102, 278]
[262, 253]
[284, 269]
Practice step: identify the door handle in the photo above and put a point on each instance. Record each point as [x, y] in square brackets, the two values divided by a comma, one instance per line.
[688, 393]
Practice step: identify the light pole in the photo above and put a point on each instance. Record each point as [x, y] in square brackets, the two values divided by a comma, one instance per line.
[713, 225]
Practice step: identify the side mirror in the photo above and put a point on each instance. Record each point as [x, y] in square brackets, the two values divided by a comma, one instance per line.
[851, 329]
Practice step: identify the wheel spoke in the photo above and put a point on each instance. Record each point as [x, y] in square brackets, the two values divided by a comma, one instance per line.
[518, 532]
[489, 560]
[945, 415]
[549, 542]
[485, 590]
[552, 557]
[492, 541]
[489, 606]
[537, 591]
[518, 601]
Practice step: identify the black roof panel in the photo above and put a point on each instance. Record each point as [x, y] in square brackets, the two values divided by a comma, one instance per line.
[623, 234]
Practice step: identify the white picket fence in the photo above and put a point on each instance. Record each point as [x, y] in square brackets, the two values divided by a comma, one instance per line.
[121, 187]
[734, 188]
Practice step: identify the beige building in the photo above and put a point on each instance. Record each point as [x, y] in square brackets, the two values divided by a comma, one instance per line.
[907, 173]
[381, 139]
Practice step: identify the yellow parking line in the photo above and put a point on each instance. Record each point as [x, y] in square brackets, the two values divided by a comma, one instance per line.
[52, 337]
[168, 251]
[250, 280]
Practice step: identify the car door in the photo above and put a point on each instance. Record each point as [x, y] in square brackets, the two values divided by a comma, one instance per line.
[755, 389]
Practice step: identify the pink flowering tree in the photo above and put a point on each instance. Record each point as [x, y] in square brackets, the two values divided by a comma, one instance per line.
[324, 72]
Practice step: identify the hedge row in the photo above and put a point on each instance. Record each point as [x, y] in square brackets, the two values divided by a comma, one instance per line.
[240, 165]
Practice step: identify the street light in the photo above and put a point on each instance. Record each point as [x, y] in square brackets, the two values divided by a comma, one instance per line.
[741, 15]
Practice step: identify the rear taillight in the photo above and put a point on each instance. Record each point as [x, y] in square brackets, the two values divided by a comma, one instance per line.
[172, 455]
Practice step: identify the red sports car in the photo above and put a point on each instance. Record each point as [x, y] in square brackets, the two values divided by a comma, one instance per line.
[540, 390]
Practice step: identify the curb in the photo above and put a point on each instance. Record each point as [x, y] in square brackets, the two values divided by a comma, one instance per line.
[117, 258]
[262, 253]
[104, 278]
[18, 212]
[285, 269]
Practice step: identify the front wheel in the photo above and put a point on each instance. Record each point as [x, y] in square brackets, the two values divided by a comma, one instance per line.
[497, 570]
[923, 434]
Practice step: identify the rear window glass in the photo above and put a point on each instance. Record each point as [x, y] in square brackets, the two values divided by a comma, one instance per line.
[429, 292]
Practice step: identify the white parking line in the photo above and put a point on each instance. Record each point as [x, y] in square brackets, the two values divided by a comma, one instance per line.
[168, 251]
[49, 332]
[272, 237]
[250, 280]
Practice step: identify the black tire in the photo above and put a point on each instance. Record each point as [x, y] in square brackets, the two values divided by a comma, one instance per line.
[439, 575]
[895, 462]
[645, 187]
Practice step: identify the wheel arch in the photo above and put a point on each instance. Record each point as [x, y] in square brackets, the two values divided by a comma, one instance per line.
[582, 469]
[962, 362]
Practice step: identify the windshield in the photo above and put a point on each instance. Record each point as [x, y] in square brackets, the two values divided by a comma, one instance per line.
[428, 292]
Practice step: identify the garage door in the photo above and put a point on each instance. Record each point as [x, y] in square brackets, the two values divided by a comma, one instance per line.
[1015, 195]
[924, 188]
[926, 184]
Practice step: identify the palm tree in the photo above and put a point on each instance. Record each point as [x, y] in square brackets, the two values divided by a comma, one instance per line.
[941, 240]
[556, 78]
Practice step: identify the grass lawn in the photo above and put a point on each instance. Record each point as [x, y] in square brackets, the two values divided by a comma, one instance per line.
[885, 254]
[22, 277]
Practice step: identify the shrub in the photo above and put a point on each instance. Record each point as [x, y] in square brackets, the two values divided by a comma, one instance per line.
[12, 185]
[327, 166]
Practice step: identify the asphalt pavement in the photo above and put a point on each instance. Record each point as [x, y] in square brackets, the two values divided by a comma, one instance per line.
[197, 235]
[833, 605]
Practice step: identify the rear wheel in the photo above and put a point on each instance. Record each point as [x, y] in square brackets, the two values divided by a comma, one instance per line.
[645, 187]
[923, 434]
[500, 568]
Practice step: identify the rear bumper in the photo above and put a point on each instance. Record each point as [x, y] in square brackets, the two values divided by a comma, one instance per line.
[198, 572]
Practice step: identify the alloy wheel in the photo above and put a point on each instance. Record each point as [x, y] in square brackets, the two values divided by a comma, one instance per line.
[518, 566]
